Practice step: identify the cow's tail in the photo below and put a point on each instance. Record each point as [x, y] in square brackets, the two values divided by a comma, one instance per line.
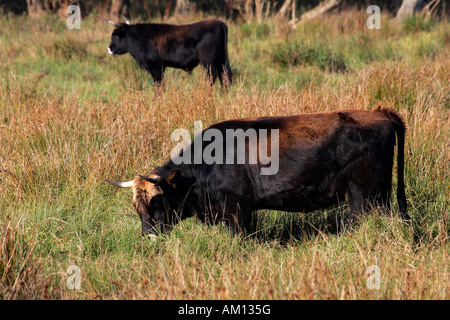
[400, 129]
[227, 68]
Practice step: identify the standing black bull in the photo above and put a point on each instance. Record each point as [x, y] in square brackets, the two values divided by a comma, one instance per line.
[322, 158]
[157, 46]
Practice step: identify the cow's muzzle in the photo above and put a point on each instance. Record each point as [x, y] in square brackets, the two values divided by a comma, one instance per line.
[152, 236]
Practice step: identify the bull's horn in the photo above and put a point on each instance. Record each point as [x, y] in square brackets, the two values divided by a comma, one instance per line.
[126, 20]
[153, 178]
[127, 184]
[112, 22]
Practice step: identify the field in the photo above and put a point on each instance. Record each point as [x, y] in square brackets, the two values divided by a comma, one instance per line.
[71, 115]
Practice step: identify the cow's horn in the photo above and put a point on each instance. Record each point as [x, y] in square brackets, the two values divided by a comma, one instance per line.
[127, 184]
[155, 179]
[126, 20]
[112, 22]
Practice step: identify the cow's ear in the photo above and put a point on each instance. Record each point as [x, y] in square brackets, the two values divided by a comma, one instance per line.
[173, 178]
[155, 179]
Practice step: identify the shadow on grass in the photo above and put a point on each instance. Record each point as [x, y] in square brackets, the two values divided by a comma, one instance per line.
[288, 227]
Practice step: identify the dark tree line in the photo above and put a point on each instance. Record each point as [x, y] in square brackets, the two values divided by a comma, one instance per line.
[148, 9]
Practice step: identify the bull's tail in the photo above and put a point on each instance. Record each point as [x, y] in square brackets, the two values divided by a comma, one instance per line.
[226, 66]
[400, 129]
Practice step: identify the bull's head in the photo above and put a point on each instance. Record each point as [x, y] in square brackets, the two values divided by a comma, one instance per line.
[118, 43]
[150, 199]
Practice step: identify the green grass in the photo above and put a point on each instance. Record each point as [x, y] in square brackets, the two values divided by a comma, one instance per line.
[288, 54]
[71, 115]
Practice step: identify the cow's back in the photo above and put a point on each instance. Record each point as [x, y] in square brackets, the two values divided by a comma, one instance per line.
[316, 154]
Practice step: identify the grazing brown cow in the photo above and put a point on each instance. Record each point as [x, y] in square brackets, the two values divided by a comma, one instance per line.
[316, 161]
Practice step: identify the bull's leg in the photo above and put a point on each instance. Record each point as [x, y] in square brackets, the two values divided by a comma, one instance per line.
[381, 183]
[237, 219]
[225, 76]
[361, 194]
[205, 56]
[356, 199]
[233, 223]
[246, 221]
[364, 184]
[239, 223]
[157, 75]
[382, 197]
[211, 73]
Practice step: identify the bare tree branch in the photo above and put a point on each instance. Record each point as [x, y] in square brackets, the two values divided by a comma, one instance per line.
[322, 8]
[284, 9]
[406, 9]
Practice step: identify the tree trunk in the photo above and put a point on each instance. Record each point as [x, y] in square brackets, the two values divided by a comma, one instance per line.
[35, 8]
[120, 9]
[430, 7]
[406, 9]
[168, 9]
[248, 10]
[259, 9]
[184, 7]
[284, 9]
[322, 8]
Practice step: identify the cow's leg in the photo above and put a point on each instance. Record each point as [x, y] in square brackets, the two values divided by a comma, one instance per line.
[205, 56]
[239, 223]
[383, 199]
[381, 183]
[237, 218]
[157, 75]
[225, 76]
[246, 221]
[211, 73]
[366, 184]
[373, 189]
[356, 199]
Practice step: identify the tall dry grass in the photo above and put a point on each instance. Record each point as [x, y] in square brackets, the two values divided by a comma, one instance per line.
[70, 117]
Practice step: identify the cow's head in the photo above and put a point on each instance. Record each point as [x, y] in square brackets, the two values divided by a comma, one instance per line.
[118, 43]
[151, 199]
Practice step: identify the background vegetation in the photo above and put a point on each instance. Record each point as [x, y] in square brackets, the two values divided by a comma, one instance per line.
[235, 9]
[71, 115]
